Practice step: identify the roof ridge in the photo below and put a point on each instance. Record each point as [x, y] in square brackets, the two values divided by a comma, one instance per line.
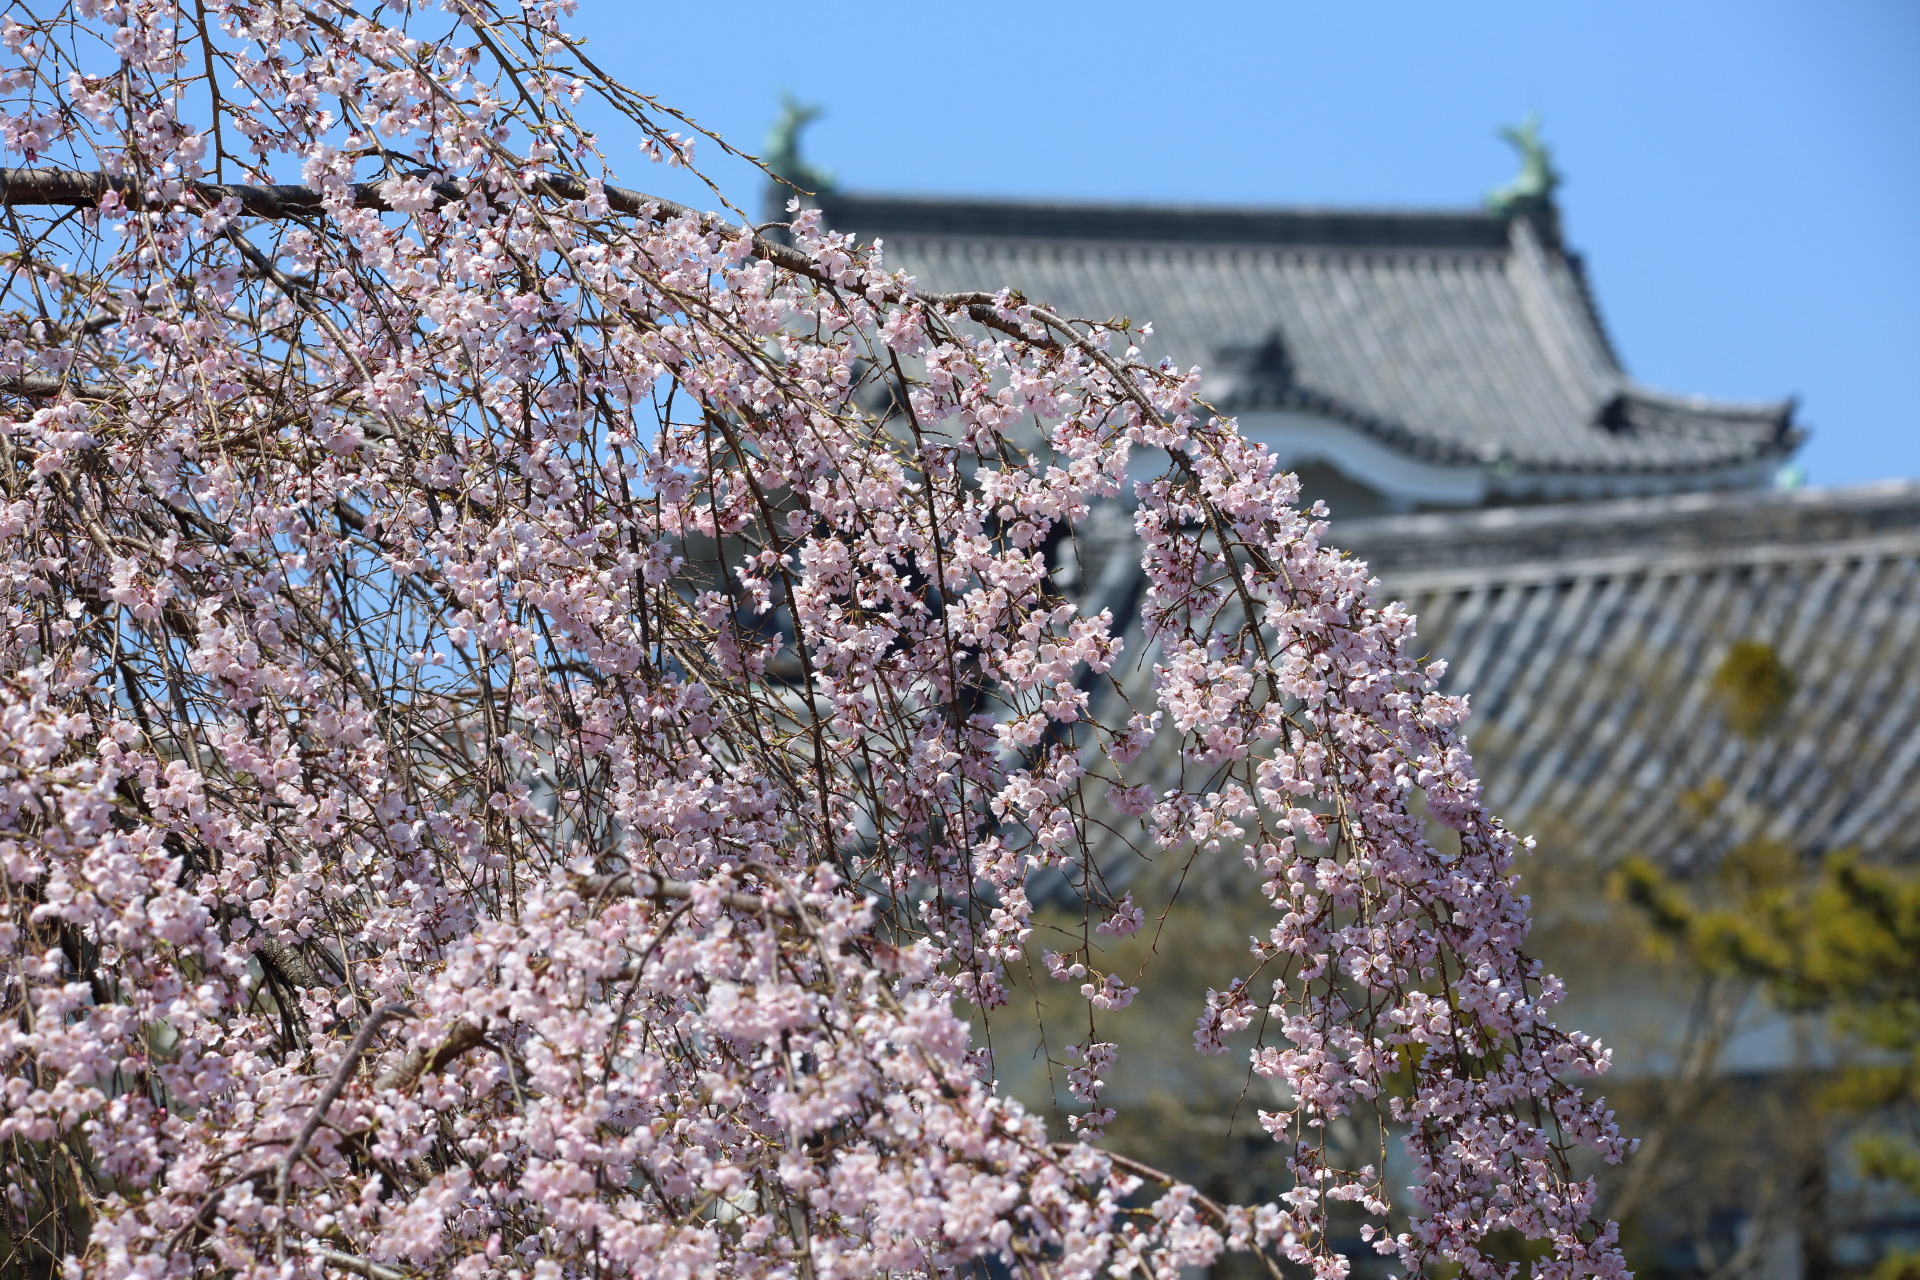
[1651, 559]
[1456, 228]
[1898, 494]
[933, 198]
[1707, 406]
[1647, 531]
[1460, 338]
[1556, 325]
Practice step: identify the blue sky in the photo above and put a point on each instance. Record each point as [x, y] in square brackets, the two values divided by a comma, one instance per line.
[1742, 175]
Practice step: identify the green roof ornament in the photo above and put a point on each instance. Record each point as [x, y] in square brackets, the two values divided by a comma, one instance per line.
[1534, 185]
[782, 151]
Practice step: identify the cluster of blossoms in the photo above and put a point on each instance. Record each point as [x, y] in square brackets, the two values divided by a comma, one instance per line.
[527, 715]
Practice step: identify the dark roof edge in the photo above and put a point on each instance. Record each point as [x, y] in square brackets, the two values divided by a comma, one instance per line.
[1668, 525]
[1738, 451]
[1447, 229]
[1396, 435]
[1590, 302]
[1778, 411]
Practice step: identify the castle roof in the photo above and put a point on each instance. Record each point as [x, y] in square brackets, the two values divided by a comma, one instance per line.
[1458, 337]
[1588, 636]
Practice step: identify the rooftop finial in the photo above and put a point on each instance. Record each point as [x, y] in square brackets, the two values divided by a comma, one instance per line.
[1534, 184]
[782, 152]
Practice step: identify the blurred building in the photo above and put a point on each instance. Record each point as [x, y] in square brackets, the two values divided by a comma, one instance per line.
[1670, 649]
[1583, 549]
[1398, 361]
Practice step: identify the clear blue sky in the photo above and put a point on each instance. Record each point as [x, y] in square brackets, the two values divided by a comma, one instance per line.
[1743, 175]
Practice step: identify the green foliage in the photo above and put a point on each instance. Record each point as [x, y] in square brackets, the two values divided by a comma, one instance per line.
[1741, 932]
[1753, 686]
[1898, 1266]
[1844, 940]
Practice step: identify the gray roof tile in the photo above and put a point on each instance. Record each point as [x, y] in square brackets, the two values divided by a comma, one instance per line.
[1587, 634]
[1459, 337]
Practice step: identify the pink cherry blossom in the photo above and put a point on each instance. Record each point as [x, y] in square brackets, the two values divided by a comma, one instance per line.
[530, 713]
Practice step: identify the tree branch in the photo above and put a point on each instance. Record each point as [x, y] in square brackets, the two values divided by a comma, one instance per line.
[75, 187]
[639, 884]
[358, 1266]
[85, 189]
[40, 387]
[341, 1074]
[461, 1036]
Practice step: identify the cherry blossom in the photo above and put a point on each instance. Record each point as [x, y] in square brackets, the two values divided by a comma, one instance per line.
[531, 713]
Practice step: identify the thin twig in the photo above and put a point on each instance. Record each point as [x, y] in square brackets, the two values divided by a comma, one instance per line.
[640, 884]
[359, 1266]
[341, 1074]
[421, 1059]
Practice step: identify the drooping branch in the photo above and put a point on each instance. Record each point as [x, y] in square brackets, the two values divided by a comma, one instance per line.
[34, 386]
[21, 187]
[80, 188]
[358, 1266]
[335, 1086]
[424, 1059]
[228, 558]
[639, 884]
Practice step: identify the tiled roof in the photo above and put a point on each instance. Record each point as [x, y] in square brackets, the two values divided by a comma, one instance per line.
[1458, 337]
[1587, 636]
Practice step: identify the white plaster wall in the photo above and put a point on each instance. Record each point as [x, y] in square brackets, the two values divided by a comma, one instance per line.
[1298, 438]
